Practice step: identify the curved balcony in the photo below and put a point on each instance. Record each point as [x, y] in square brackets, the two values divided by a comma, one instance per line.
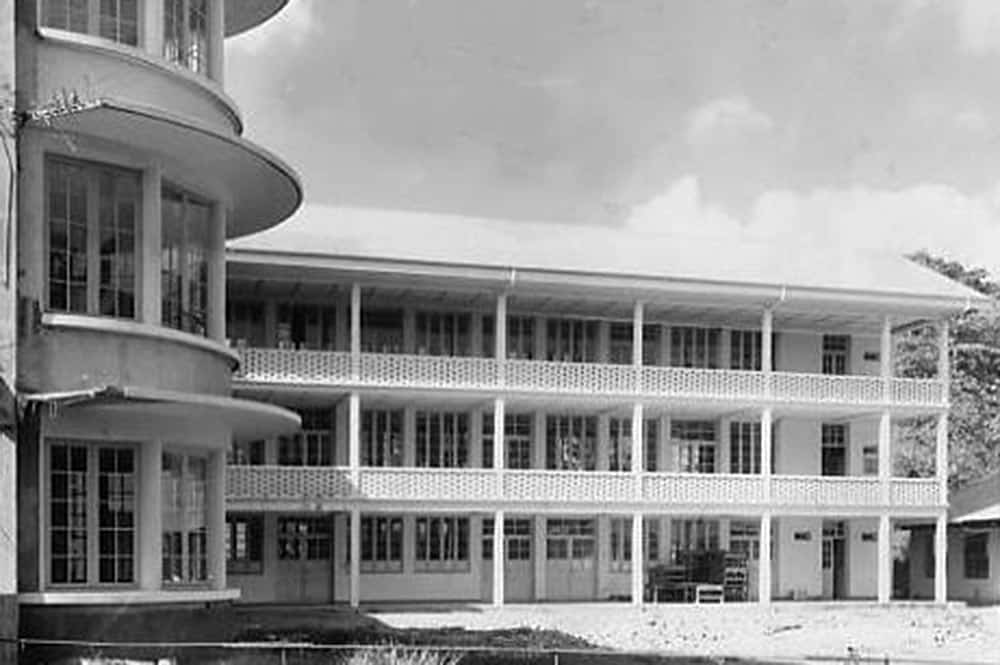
[285, 367]
[95, 68]
[397, 488]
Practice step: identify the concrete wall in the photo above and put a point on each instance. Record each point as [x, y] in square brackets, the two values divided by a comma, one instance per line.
[862, 568]
[798, 560]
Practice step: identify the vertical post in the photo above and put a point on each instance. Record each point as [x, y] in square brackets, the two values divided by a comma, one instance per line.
[498, 437]
[354, 436]
[216, 35]
[150, 516]
[638, 562]
[941, 558]
[944, 359]
[355, 584]
[476, 460]
[764, 564]
[637, 447]
[604, 442]
[884, 564]
[941, 458]
[409, 436]
[150, 304]
[216, 325]
[884, 455]
[539, 526]
[637, 316]
[885, 359]
[500, 343]
[216, 509]
[767, 340]
[152, 32]
[356, 331]
[499, 558]
[766, 450]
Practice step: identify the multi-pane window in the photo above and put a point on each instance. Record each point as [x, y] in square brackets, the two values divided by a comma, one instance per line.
[520, 337]
[245, 323]
[744, 538]
[694, 535]
[517, 432]
[185, 33]
[443, 334]
[93, 215]
[869, 461]
[744, 447]
[92, 513]
[183, 484]
[571, 340]
[621, 542]
[442, 543]
[381, 544]
[620, 344]
[745, 349]
[244, 453]
[304, 538]
[570, 539]
[651, 344]
[651, 434]
[833, 438]
[442, 439]
[836, 350]
[517, 539]
[244, 544]
[694, 347]
[620, 444]
[312, 445]
[381, 330]
[186, 224]
[306, 327]
[976, 556]
[696, 441]
[381, 437]
[571, 442]
[116, 20]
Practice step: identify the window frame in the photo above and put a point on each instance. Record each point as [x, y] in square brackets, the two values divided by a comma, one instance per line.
[187, 556]
[442, 439]
[835, 355]
[317, 533]
[435, 550]
[313, 443]
[745, 447]
[975, 563]
[518, 539]
[94, 20]
[182, 39]
[254, 538]
[189, 319]
[381, 433]
[696, 452]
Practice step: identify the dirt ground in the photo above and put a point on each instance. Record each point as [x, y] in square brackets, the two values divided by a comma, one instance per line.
[952, 634]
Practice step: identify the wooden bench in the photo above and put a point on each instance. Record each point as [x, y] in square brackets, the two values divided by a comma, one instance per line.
[709, 593]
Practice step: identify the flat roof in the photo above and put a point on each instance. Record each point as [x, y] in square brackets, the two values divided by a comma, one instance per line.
[325, 231]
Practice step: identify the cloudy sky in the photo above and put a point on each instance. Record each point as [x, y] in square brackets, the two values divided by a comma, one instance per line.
[870, 124]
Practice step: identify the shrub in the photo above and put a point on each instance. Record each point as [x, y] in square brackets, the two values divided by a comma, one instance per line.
[396, 655]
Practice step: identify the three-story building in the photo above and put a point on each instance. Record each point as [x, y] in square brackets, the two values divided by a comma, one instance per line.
[518, 412]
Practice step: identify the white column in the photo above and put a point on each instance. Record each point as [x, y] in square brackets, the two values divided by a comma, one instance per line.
[941, 558]
[476, 438]
[500, 328]
[766, 449]
[884, 563]
[216, 36]
[498, 434]
[355, 331]
[499, 557]
[538, 440]
[767, 340]
[355, 583]
[665, 458]
[638, 564]
[539, 560]
[637, 314]
[354, 435]
[603, 442]
[764, 564]
[944, 359]
[409, 436]
[150, 300]
[216, 509]
[884, 455]
[638, 462]
[216, 325]
[150, 516]
[885, 358]
[941, 457]
[152, 32]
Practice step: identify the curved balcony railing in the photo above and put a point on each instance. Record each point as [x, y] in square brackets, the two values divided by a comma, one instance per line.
[258, 487]
[385, 370]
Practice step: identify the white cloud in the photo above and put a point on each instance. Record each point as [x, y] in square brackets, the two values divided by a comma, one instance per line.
[726, 116]
[979, 25]
[972, 120]
[935, 217]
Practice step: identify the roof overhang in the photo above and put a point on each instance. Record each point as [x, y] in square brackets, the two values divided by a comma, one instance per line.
[983, 516]
[246, 419]
[261, 189]
[242, 15]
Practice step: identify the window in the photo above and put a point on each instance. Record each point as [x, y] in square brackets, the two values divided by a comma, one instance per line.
[833, 438]
[570, 539]
[744, 538]
[442, 439]
[621, 542]
[381, 438]
[312, 445]
[244, 453]
[744, 447]
[517, 430]
[381, 544]
[244, 544]
[929, 554]
[443, 334]
[620, 344]
[976, 556]
[306, 327]
[696, 441]
[186, 223]
[520, 338]
[116, 20]
[517, 539]
[835, 353]
[245, 323]
[92, 511]
[93, 214]
[183, 484]
[620, 444]
[304, 538]
[694, 347]
[185, 33]
[442, 544]
[381, 330]
[869, 460]
[651, 344]
[694, 535]
[571, 442]
[745, 350]
[571, 340]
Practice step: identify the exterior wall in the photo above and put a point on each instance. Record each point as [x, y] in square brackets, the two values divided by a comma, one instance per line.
[802, 352]
[986, 591]
[862, 561]
[797, 450]
[798, 560]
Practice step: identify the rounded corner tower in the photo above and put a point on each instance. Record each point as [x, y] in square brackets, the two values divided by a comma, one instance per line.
[132, 175]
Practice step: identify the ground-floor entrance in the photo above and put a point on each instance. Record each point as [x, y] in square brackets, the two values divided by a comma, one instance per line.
[304, 548]
[834, 560]
[519, 560]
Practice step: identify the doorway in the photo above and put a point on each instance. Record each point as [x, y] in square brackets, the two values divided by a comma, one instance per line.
[303, 566]
[519, 569]
[834, 560]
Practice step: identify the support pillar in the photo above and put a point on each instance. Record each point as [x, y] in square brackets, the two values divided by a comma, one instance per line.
[150, 521]
[941, 558]
[766, 450]
[499, 558]
[884, 563]
[885, 359]
[216, 509]
[764, 563]
[150, 287]
[941, 458]
[884, 456]
[216, 325]
[500, 345]
[354, 436]
[498, 435]
[638, 449]
[356, 331]
[539, 560]
[767, 340]
[216, 34]
[638, 562]
[355, 583]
